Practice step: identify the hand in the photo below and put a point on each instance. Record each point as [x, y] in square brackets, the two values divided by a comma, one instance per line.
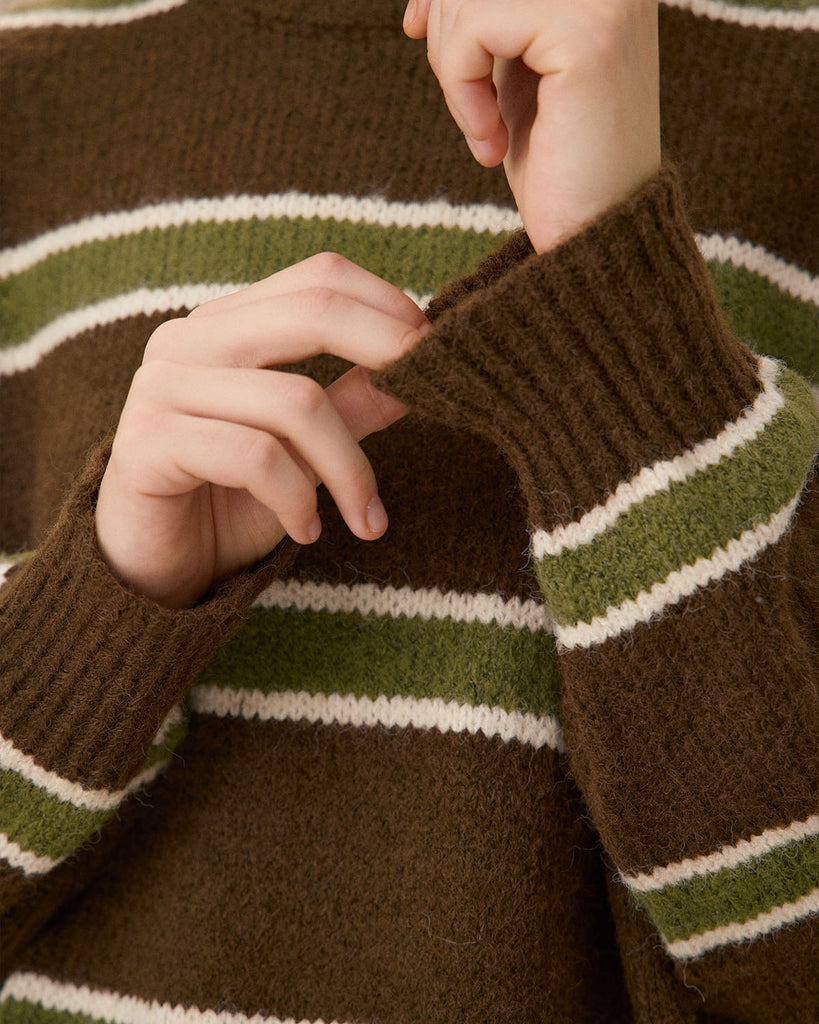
[217, 456]
[565, 92]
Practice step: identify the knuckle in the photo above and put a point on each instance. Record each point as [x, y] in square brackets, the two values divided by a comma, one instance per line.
[265, 453]
[164, 340]
[316, 302]
[306, 395]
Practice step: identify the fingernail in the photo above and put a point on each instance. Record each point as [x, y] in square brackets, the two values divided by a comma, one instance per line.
[376, 516]
[314, 529]
[409, 13]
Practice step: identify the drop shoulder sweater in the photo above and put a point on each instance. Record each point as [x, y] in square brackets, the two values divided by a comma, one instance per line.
[547, 752]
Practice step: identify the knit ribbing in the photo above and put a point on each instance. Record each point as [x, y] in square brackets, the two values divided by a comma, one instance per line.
[58, 662]
[597, 310]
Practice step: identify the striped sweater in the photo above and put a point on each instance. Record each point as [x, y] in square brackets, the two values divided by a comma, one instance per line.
[548, 750]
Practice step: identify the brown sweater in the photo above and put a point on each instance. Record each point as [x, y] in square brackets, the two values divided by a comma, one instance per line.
[546, 752]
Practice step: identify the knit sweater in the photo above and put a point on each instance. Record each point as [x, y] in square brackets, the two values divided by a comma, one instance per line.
[548, 750]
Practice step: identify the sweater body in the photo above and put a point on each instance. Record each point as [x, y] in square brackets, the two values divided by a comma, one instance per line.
[545, 752]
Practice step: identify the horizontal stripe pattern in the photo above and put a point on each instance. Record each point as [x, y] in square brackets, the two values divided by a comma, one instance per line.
[470, 663]
[795, 15]
[479, 218]
[755, 258]
[763, 924]
[132, 257]
[388, 712]
[70, 15]
[141, 302]
[657, 478]
[418, 260]
[29, 998]
[677, 585]
[728, 857]
[665, 538]
[44, 818]
[397, 602]
[707, 903]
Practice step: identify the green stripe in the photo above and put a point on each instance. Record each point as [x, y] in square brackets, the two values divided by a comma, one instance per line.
[734, 895]
[15, 1011]
[769, 320]
[419, 259]
[369, 656]
[41, 823]
[689, 520]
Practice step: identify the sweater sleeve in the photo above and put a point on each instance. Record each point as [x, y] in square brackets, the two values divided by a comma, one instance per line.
[674, 524]
[92, 688]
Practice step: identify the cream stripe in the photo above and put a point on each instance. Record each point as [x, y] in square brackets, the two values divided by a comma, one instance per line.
[114, 1008]
[174, 717]
[12, 759]
[143, 301]
[749, 17]
[418, 712]
[786, 276]
[29, 863]
[381, 212]
[68, 17]
[727, 857]
[147, 301]
[658, 477]
[677, 585]
[367, 599]
[788, 913]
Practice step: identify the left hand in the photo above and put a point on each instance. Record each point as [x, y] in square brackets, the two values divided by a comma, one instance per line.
[564, 92]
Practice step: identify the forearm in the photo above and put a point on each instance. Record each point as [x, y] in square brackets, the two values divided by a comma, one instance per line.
[675, 539]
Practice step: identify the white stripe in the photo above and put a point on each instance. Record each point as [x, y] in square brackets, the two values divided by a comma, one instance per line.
[68, 17]
[147, 301]
[677, 585]
[367, 599]
[788, 913]
[728, 857]
[12, 759]
[29, 863]
[418, 712]
[749, 17]
[174, 717]
[786, 276]
[143, 301]
[657, 478]
[114, 1008]
[381, 212]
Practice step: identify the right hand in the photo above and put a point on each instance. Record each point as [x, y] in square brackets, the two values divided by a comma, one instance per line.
[217, 456]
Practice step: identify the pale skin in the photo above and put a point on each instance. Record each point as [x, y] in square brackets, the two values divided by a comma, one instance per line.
[217, 455]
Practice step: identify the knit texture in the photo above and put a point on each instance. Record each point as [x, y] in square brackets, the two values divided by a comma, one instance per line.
[547, 751]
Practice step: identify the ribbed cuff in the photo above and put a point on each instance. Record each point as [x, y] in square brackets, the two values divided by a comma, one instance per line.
[89, 670]
[585, 363]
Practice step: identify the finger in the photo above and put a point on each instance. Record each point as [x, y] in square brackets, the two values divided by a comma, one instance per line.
[326, 269]
[289, 407]
[183, 452]
[416, 16]
[464, 67]
[286, 329]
